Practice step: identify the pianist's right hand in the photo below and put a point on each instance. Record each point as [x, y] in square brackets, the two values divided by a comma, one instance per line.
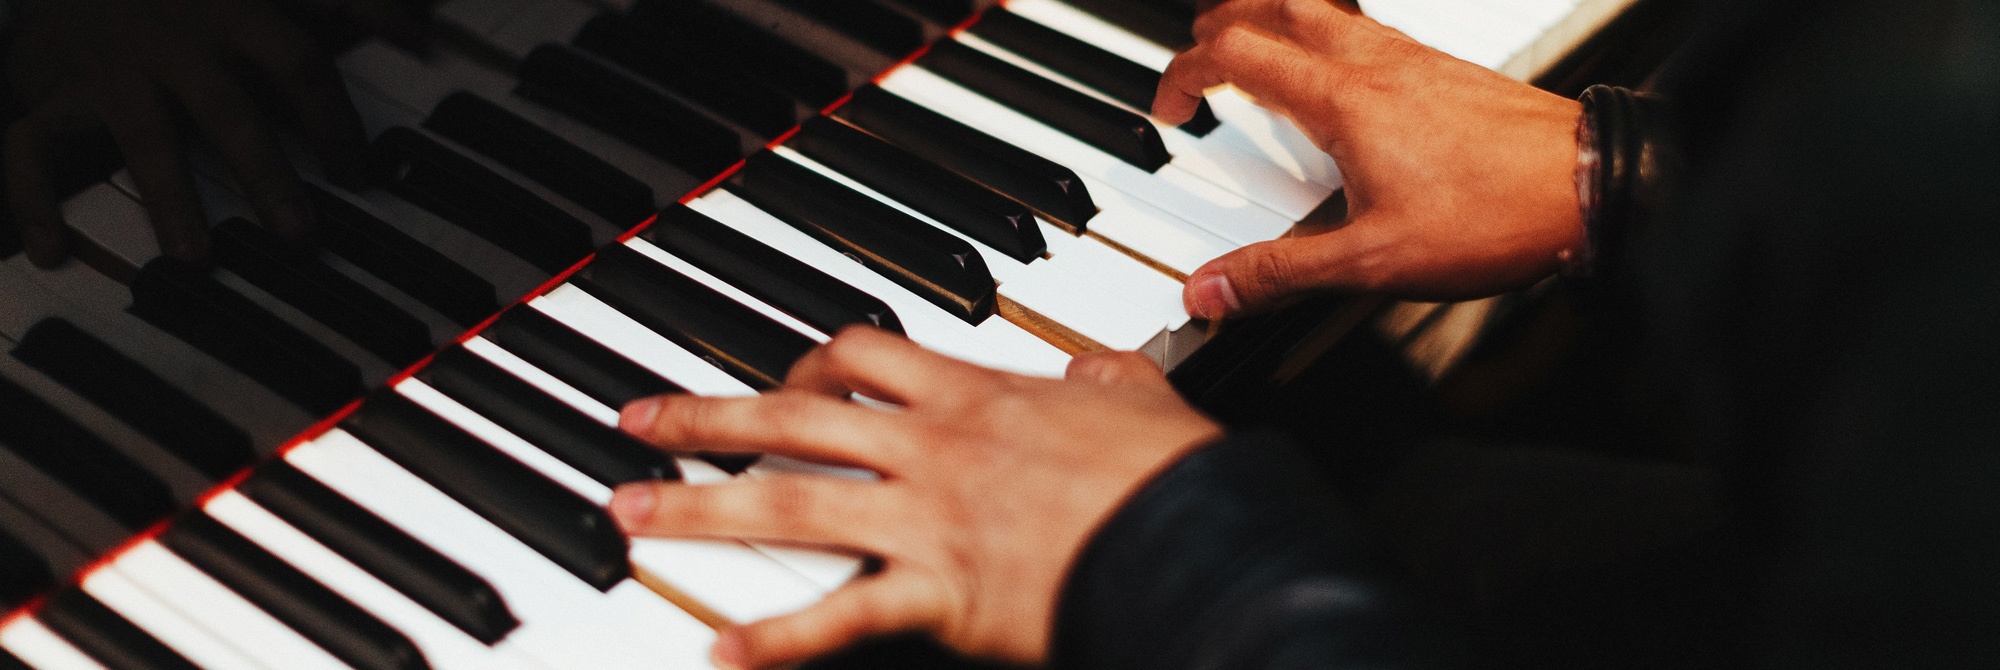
[136, 68]
[1460, 182]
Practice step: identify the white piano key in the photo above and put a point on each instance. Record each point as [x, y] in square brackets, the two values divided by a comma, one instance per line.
[601, 322]
[444, 646]
[995, 342]
[42, 648]
[564, 622]
[213, 606]
[1151, 232]
[170, 627]
[506, 360]
[114, 221]
[1194, 199]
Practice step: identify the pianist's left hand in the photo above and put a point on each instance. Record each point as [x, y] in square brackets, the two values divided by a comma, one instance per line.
[991, 483]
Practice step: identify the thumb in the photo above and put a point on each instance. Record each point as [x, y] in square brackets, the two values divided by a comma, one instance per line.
[1259, 277]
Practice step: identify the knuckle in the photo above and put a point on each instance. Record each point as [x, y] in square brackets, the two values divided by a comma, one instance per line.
[1272, 272]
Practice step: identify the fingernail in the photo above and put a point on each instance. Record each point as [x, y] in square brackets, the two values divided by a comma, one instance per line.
[638, 415]
[729, 652]
[1214, 298]
[632, 505]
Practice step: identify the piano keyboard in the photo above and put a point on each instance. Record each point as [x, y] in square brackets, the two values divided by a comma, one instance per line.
[1000, 197]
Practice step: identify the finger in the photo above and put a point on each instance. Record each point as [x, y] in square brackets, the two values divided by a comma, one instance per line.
[1114, 367]
[31, 198]
[1309, 23]
[1261, 276]
[226, 115]
[792, 509]
[889, 604]
[880, 365]
[801, 425]
[1272, 71]
[140, 122]
[309, 83]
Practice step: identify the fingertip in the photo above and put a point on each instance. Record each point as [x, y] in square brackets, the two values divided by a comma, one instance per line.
[632, 506]
[731, 652]
[638, 416]
[1212, 296]
[1111, 367]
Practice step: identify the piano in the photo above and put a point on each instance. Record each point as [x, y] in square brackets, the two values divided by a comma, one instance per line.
[388, 446]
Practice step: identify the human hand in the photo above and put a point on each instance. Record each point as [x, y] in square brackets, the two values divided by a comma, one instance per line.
[132, 67]
[990, 485]
[1460, 182]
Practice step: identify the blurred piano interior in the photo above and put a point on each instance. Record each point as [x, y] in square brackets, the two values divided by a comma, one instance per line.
[186, 477]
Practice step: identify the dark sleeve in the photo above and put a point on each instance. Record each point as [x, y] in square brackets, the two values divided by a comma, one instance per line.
[1237, 557]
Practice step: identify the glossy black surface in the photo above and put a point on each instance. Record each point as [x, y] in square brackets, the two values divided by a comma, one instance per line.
[567, 80]
[400, 260]
[294, 274]
[596, 371]
[184, 300]
[23, 573]
[746, 100]
[536, 153]
[599, 451]
[931, 263]
[302, 603]
[412, 568]
[723, 40]
[939, 193]
[811, 296]
[460, 190]
[747, 345]
[946, 12]
[1130, 137]
[1032, 180]
[1123, 80]
[555, 522]
[871, 22]
[105, 636]
[136, 396]
[54, 444]
[1169, 24]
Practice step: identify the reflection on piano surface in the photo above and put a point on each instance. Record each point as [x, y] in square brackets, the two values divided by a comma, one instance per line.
[577, 205]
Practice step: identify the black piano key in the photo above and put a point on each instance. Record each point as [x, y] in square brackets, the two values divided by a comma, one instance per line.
[598, 451]
[1113, 75]
[929, 262]
[8, 661]
[748, 101]
[308, 607]
[105, 636]
[295, 275]
[941, 194]
[1017, 173]
[62, 449]
[400, 260]
[559, 524]
[724, 40]
[1169, 24]
[593, 369]
[136, 396]
[800, 290]
[183, 300]
[869, 22]
[614, 102]
[460, 190]
[23, 573]
[411, 567]
[748, 345]
[946, 12]
[533, 151]
[1130, 137]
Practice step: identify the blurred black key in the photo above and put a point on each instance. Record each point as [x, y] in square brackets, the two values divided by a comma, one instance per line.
[798, 289]
[746, 100]
[1039, 183]
[594, 449]
[1130, 137]
[1169, 24]
[596, 371]
[941, 194]
[401, 261]
[946, 12]
[183, 300]
[59, 447]
[460, 190]
[614, 102]
[1113, 75]
[748, 345]
[138, 397]
[308, 607]
[929, 262]
[105, 636]
[411, 567]
[559, 524]
[723, 40]
[10, 662]
[23, 573]
[533, 151]
[295, 275]
[869, 22]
